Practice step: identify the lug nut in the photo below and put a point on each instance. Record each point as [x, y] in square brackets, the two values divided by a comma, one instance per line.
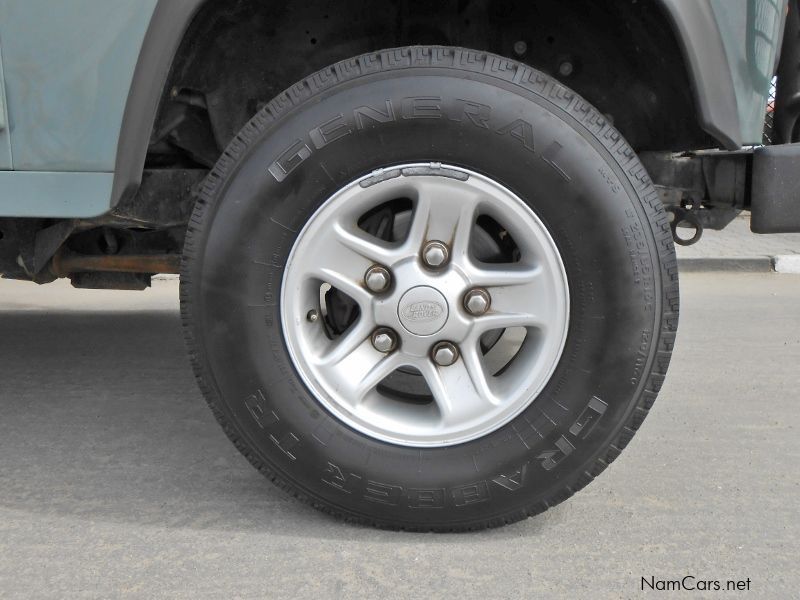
[444, 354]
[378, 279]
[384, 340]
[477, 302]
[435, 254]
[312, 316]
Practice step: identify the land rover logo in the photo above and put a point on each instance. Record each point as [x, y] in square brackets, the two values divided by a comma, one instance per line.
[423, 310]
[419, 312]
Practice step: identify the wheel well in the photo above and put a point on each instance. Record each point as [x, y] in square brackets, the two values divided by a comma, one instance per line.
[236, 56]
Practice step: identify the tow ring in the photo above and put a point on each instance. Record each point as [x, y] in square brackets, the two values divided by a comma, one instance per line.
[687, 219]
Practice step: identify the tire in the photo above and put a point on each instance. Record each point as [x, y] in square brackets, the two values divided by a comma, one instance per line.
[497, 119]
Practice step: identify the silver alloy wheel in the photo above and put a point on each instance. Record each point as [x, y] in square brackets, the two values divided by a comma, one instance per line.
[469, 398]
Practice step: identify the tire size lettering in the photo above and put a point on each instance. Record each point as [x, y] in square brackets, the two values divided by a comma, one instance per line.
[641, 261]
[612, 184]
[641, 357]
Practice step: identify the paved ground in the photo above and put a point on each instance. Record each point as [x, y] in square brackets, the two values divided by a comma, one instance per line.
[736, 240]
[115, 481]
[736, 248]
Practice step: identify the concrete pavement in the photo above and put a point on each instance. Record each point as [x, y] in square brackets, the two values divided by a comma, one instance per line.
[116, 482]
[736, 248]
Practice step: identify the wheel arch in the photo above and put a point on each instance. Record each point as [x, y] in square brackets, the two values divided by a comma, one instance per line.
[177, 53]
[170, 21]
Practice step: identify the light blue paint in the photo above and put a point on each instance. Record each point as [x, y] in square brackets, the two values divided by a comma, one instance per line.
[68, 69]
[67, 195]
[750, 33]
[5, 139]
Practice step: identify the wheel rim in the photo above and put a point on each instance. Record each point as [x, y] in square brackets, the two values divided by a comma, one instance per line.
[525, 297]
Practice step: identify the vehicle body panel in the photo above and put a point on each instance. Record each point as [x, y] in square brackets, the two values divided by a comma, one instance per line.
[48, 194]
[68, 69]
[751, 39]
[5, 137]
[84, 79]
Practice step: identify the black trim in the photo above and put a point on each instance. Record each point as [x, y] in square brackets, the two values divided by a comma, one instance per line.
[712, 83]
[170, 21]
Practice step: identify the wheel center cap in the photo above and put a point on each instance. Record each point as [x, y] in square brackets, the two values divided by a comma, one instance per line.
[423, 310]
